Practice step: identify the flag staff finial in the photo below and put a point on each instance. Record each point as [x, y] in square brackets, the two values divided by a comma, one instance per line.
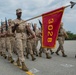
[71, 4]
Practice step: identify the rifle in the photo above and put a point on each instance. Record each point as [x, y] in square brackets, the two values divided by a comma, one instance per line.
[33, 27]
[1, 27]
[27, 32]
[14, 27]
[40, 23]
[6, 24]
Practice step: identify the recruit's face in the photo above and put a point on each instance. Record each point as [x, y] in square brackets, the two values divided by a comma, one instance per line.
[19, 14]
[9, 23]
[35, 26]
[61, 25]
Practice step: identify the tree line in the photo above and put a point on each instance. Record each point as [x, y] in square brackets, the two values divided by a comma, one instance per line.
[71, 35]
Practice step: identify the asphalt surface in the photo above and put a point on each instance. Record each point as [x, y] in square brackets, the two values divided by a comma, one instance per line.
[58, 65]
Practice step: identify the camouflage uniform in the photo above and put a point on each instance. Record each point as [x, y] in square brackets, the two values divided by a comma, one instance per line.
[30, 45]
[61, 37]
[43, 50]
[20, 38]
[3, 41]
[8, 43]
[12, 38]
[0, 42]
[37, 33]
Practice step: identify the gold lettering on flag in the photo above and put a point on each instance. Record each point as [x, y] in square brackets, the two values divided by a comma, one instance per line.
[50, 28]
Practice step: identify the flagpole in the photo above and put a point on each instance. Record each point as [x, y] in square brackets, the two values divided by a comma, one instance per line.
[67, 6]
[71, 4]
[34, 17]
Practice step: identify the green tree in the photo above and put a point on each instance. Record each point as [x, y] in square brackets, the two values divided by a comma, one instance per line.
[71, 36]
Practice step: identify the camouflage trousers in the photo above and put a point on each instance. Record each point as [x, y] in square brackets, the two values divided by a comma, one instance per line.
[20, 49]
[8, 46]
[3, 45]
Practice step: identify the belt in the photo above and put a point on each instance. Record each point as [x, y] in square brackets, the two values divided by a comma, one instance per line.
[20, 32]
[60, 35]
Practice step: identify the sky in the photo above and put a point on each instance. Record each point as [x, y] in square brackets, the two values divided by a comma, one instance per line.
[32, 8]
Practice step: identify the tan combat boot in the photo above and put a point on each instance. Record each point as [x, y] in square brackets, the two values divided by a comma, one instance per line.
[27, 56]
[4, 55]
[63, 54]
[59, 48]
[40, 54]
[57, 53]
[47, 56]
[1, 53]
[18, 62]
[36, 53]
[24, 68]
[11, 59]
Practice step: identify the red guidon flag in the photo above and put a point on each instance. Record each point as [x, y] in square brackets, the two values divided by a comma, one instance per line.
[50, 27]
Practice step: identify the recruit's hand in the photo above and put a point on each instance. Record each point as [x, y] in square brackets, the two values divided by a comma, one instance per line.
[17, 24]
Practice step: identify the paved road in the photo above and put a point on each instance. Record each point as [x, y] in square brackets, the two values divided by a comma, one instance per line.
[58, 65]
